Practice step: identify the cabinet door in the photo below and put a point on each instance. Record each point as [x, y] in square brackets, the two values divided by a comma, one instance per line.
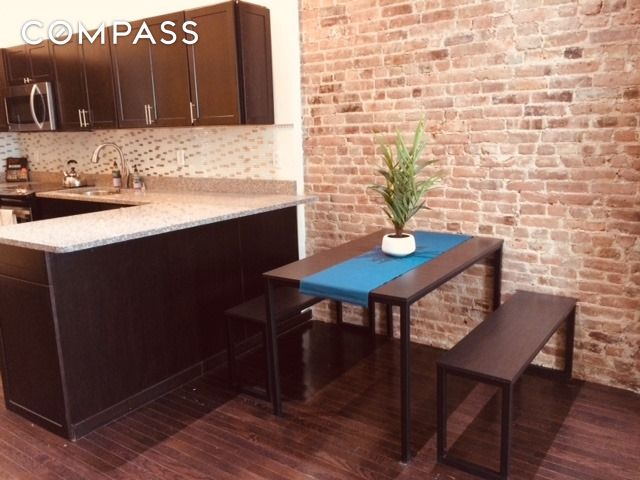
[70, 86]
[254, 40]
[31, 62]
[40, 62]
[31, 373]
[134, 79]
[100, 87]
[170, 68]
[17, 65]
[3, 85]
[213, 64]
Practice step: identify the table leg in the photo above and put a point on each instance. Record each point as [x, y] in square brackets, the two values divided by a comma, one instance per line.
[497, 279]
[339, 313]
[371, 312]
[389, 320]
[441, 414]
[272, 352]
[405, 376]
[568, 347]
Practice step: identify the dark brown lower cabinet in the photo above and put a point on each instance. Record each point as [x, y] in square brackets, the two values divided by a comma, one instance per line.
[46, 208]
[30, 354]
[87, 336]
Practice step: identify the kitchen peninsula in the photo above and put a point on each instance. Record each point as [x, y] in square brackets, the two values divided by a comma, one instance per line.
[105, 311]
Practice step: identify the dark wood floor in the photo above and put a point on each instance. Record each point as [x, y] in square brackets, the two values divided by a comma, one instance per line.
[341, 421]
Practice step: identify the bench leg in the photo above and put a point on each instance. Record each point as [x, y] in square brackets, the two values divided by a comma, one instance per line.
[505, 433]
[231, 354]
[265, 339]
[506, 391]
[568, 348]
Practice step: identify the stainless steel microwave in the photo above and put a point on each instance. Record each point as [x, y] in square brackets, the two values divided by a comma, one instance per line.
[30, 107]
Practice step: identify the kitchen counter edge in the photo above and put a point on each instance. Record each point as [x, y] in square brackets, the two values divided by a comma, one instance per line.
[162, 212]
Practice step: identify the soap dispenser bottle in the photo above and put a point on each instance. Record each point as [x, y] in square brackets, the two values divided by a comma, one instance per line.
[137, 179]
[116, 176]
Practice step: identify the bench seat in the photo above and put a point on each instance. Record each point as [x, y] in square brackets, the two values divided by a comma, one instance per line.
[288, 303]
[501, 347]
[497, 352]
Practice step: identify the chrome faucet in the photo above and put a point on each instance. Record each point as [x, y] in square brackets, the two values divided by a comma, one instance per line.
[123, 164]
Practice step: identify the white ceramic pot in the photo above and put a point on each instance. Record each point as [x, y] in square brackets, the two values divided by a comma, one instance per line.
[398, 246]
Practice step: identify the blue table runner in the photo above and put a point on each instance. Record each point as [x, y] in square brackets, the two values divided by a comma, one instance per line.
[352, 280]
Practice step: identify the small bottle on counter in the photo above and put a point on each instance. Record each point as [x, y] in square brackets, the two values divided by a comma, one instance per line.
[137, 179]
[116, 176]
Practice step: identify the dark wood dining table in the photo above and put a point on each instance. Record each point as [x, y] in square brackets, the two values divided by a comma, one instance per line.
[400, 292]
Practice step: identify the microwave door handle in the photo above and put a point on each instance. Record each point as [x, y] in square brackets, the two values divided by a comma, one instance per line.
[32, 99]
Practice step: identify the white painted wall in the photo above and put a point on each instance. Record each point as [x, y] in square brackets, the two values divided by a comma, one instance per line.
[285, 37]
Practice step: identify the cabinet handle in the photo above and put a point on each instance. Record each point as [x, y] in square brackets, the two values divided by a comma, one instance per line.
[193, 118]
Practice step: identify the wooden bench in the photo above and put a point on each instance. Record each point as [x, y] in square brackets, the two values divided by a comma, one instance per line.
[289, 302]
[497, 352]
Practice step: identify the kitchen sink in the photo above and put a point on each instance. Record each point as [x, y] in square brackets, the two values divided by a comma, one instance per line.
[92, 193]
[95, 192]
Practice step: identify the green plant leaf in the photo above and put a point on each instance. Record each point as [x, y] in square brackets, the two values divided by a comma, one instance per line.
[403, 192]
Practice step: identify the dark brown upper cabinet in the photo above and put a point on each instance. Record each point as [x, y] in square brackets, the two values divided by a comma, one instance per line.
[213, 63]
[3, 85]
[84, 85]
[99, 83]
[28, 64]
[225, 78]
[152, 81]
[134, 81]
[230, 65]
[170, 70]
[71, 92]
[254, 39]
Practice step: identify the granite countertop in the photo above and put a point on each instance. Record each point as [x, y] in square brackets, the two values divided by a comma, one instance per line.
[153, 213]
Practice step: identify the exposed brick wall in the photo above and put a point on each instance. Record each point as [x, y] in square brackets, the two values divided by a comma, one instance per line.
[532, 108]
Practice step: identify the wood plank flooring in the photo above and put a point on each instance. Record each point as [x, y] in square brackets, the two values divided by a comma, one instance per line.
[341, 422]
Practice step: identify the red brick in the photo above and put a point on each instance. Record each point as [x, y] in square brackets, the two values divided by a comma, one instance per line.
[565, 96]
[458, 39]
[613, 35]
[539, 146]
[437, 16]
[397, 10]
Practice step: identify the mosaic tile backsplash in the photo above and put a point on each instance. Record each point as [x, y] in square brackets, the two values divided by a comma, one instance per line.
[9, 147]
[219, 152]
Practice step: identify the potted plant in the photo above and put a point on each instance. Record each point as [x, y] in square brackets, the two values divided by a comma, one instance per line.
[403, 193]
